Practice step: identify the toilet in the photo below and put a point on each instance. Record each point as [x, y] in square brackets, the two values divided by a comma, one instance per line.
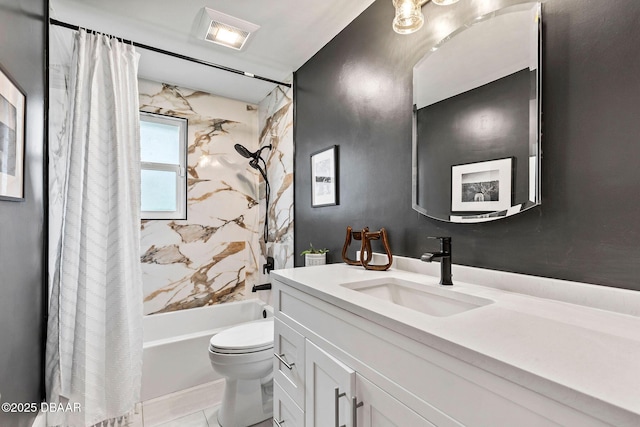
[243, 355]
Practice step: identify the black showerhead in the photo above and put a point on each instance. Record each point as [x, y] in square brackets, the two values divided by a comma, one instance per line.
[242, 150]
[255, 157]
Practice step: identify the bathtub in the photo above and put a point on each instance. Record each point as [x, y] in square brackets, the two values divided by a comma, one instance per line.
[175, 348]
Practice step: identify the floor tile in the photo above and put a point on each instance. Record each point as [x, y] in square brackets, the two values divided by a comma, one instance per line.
[196, 419]
[266, 423]
[211, 415]
[176, 405]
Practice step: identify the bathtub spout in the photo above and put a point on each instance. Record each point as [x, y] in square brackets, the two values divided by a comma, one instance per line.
[264, 287]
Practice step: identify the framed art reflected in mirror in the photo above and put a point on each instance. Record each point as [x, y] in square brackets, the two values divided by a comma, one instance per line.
[482, 187]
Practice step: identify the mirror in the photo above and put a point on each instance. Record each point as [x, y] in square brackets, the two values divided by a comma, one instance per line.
[476, 126]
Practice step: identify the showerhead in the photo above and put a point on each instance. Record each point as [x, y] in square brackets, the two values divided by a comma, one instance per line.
[255, 157]
[242, 150]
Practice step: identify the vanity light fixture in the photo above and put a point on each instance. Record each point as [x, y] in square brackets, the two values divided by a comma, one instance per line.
[225, 30]
[409, 17]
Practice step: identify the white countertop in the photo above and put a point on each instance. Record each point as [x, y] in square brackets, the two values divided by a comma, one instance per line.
[545, 345]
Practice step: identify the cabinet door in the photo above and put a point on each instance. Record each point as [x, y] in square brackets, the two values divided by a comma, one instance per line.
[379, 409]
[285, 412]
[328, 390]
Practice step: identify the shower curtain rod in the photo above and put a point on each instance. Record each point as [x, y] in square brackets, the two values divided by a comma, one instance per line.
[175, 55]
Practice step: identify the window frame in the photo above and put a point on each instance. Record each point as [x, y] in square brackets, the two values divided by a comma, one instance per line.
[180, 170]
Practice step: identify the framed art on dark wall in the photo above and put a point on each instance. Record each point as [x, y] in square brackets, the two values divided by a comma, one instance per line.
[12, 129]
[324, 177]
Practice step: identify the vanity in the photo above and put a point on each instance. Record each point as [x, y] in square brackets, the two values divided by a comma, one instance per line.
[393, 348]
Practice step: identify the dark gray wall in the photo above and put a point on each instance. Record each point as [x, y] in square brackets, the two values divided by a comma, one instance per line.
[356, 92]
[22, 41]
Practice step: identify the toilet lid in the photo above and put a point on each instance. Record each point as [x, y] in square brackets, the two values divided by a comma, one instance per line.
[245, 338]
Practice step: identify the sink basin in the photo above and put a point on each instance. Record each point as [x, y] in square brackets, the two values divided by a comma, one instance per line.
[434, 301]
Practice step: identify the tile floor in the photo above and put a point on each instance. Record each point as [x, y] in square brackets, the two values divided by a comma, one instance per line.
[195, 407]
[205, 418]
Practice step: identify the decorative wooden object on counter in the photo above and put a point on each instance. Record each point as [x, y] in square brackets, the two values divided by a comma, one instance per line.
[357, 235]
[366, 254]
[367, 236]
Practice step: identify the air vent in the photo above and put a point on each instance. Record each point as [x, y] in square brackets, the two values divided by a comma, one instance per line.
[225, 30]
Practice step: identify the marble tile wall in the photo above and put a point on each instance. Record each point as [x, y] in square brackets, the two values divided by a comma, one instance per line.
[212, 256]
[276, 128]
[216, 255]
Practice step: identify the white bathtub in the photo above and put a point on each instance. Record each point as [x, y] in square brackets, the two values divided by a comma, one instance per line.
[176, 344]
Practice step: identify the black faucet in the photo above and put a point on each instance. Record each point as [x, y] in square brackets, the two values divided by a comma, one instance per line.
[445, 259]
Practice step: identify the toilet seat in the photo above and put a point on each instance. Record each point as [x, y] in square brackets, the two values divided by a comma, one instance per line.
[246, 338]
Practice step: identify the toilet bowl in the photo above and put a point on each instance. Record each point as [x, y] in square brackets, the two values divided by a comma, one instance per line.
[243, 355]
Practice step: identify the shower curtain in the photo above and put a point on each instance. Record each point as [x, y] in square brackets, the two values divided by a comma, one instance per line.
[94, 334]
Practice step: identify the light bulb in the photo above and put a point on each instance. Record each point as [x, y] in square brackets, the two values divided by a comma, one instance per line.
[409, 18]
[227, 36]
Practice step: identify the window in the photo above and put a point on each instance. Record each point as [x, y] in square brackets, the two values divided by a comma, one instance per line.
[163, 153]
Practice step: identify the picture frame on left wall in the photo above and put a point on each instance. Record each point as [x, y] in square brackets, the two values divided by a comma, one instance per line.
[324, 177]
[12, 138]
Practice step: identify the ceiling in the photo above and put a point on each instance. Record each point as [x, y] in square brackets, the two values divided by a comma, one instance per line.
[291, 32]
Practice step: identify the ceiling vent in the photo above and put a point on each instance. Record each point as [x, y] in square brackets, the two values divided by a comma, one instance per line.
[225, 30]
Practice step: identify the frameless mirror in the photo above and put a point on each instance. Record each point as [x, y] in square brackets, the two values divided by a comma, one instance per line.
[476, 128]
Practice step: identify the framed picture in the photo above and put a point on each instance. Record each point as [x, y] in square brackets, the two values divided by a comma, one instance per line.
[12, 128]
[324, 177]
[482, 186]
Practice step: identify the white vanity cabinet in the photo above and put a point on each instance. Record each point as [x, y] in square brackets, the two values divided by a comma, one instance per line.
[338, 395]
[379, 409]
[341, 364]
[329, 389]
[314, 388]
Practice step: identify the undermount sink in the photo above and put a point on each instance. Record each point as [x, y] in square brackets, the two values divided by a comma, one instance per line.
[434, 301]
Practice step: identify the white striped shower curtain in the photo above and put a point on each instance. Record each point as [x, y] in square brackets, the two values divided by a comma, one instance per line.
[94, 334]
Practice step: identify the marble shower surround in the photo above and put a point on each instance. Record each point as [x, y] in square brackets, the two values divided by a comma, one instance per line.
[212, 256]
[276, 128]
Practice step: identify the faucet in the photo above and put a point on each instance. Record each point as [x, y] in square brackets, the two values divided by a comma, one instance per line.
[445, 259]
